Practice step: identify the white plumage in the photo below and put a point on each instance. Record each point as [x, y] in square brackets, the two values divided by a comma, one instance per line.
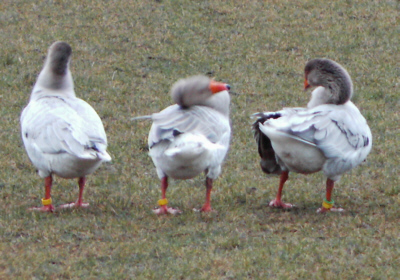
[329, 135]
[331, 138]
[198, 136]
[62, 134]
[191, 136]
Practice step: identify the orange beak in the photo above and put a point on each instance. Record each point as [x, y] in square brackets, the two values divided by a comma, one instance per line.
[216, 87]
[306, 84]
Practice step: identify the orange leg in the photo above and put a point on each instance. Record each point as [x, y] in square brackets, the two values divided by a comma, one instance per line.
[47, 204]
[329, 187]
[163, 202]
[277, 202]
[81, 182]
[207, 205]
[79, 202]
[164, 187]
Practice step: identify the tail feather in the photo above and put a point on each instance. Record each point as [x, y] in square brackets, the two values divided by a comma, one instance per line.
[104, 156]
[191, 146]
[191, 150]
[148, 117]
[268, 160]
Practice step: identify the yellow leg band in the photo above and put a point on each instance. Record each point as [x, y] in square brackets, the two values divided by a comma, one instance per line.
[327, 204]
[46, 202]
[163, 202]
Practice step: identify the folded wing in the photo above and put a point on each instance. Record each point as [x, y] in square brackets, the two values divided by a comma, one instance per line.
[52, 126]
[340, 132]
[175, 120]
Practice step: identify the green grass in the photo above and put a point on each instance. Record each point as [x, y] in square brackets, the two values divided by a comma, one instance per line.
[126, 55]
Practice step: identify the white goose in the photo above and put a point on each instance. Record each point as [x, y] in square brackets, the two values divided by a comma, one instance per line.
[329, 135]
[62, 134]
[191, 136]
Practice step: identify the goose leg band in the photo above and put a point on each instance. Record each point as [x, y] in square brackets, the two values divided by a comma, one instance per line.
[327, 204]
[46, 202]
[163, 202]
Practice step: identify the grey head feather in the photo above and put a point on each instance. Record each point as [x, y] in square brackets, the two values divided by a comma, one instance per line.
[55, 74]
[330, 75]
[195, 91]
[191, 91]
[59, 57]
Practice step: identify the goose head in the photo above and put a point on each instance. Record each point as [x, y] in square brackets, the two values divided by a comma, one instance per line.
[201, 90]
[55, 74]
[337, 87]
[59, 57]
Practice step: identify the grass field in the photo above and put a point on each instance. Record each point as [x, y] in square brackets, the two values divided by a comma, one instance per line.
[126, 55]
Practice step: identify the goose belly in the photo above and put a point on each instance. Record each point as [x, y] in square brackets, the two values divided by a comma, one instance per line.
[184, 158]
[298, 156]
[183, 169]
[69, 166]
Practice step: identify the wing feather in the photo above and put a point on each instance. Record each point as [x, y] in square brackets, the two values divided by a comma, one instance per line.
[53, 126]
[340, 132]
[197, 119]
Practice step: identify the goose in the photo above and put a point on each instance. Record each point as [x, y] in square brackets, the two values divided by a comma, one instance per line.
[192, 136]
[62, 134]
[330, 135]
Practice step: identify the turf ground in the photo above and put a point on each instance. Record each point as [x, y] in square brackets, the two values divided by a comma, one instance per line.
[126, 55]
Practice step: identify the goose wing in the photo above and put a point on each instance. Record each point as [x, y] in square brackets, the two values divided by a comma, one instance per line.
[52, 126]
[176, 120]
[339, 131]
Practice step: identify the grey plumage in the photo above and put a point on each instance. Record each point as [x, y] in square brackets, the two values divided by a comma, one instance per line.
[268, 161]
